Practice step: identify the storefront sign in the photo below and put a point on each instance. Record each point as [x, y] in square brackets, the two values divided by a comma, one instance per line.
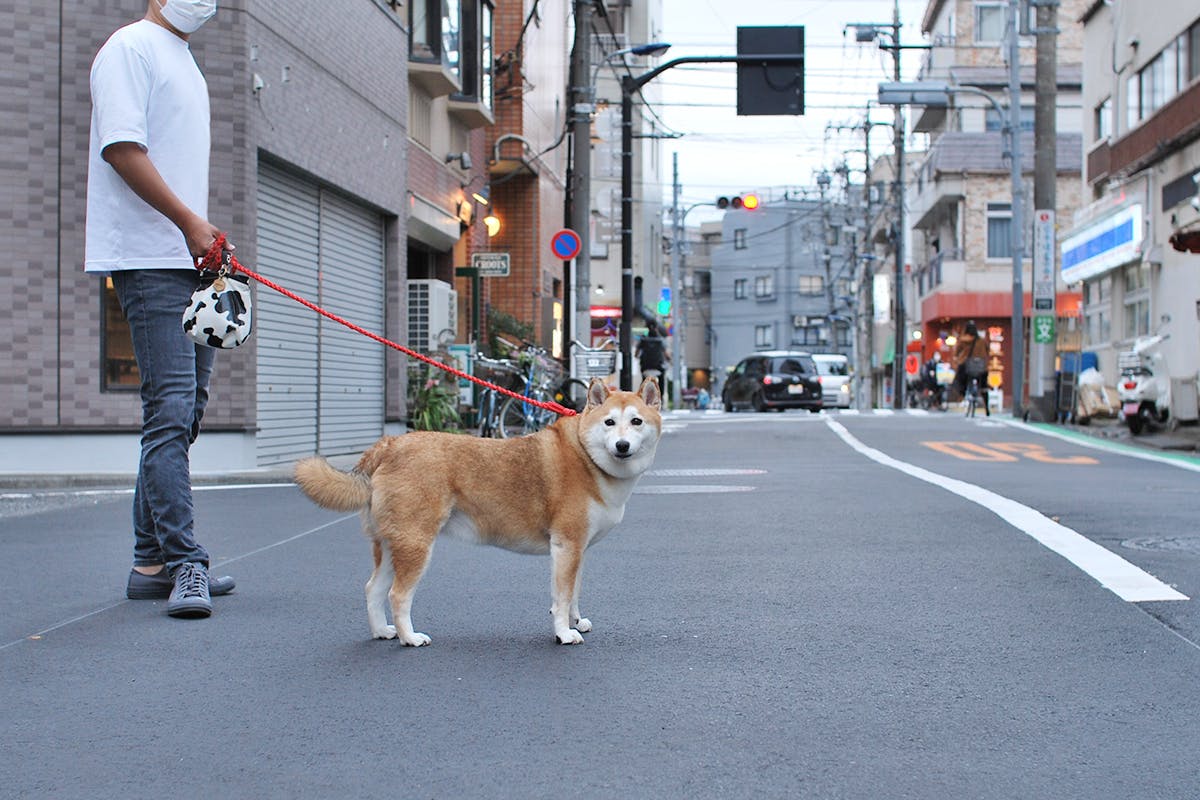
[1111, 242]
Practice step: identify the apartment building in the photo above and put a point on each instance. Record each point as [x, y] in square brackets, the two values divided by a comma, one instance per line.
[781, 278]
[1133, 245]
[960, 197]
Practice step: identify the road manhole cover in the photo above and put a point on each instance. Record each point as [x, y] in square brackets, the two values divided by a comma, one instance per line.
[1171, 544]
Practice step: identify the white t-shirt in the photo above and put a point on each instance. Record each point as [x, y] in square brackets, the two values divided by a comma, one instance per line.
[146, 88]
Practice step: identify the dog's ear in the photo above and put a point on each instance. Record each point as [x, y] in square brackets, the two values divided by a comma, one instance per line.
[650, 394]
[597, 393]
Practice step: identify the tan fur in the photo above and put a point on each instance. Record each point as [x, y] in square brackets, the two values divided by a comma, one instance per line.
[557, 491]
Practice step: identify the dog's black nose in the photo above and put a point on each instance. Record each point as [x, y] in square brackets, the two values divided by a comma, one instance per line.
[622, 446]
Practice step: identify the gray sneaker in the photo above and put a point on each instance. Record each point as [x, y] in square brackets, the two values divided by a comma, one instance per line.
[160, 585]
[189, 599]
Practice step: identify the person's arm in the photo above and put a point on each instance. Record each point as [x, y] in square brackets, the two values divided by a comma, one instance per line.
[134, 166]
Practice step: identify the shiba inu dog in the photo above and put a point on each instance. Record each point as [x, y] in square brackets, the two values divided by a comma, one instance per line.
[558, 491]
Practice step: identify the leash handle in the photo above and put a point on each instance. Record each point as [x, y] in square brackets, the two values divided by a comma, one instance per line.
[219, 258]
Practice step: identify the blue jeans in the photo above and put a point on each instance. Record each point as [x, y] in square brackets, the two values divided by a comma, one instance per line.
[175, 372]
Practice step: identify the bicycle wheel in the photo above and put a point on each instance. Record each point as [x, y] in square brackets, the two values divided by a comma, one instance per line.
[572, 394]
[487, 414]
[516, 418]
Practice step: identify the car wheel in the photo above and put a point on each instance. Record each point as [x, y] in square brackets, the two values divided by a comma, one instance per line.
[815, 410]
[759, 403]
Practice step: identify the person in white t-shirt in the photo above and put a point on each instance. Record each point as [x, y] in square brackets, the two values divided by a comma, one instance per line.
[147, 222]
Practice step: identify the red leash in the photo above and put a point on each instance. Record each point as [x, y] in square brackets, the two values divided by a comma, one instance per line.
[212, 261]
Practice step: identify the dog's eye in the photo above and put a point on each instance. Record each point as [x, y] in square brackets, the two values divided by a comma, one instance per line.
[610, 422]
[636, 421]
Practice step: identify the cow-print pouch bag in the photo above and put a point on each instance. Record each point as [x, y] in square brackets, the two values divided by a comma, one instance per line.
[219, 314]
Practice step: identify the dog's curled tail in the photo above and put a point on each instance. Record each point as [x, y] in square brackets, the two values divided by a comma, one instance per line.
[331, 488]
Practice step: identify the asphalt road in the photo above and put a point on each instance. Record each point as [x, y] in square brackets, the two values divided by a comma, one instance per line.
[780, 614]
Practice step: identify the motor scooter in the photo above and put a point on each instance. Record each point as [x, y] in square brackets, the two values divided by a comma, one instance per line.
[1144, 387]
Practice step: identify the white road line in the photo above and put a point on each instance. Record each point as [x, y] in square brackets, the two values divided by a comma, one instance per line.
[1114, 573]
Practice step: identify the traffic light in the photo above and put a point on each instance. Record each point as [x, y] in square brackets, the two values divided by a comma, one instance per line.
[747, 201]
[664, 302]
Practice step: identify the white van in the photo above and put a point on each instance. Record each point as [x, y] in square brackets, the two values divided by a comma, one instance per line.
[833, 369]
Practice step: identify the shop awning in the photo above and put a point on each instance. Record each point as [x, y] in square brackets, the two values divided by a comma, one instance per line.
[1186, 241]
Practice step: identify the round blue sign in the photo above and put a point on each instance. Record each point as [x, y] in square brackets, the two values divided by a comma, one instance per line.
[565, 244]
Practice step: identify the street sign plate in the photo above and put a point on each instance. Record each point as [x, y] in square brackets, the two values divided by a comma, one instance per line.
[491, 265]
[1043, 259]
[1043, 329]
[565, 244]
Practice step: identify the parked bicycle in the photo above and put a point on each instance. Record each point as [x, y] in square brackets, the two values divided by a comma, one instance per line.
[501, 372]
[540, 376]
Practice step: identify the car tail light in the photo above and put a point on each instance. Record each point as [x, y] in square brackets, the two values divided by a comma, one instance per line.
[768, 380]
[821, 380]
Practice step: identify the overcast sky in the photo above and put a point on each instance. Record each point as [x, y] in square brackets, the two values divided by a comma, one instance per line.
[722, 153]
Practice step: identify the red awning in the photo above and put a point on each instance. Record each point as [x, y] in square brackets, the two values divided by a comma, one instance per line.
[1186, 241]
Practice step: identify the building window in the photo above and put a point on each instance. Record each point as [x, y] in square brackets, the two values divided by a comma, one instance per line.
[762, 336]
[989, 22]
[1164, 77]
[420, 124]
[1097, 311]
[1102, 120]
[1137, 300]
[477, 53]
[764, 287]
[434, 33]
[739, 238]
[994, 121]
[120, 366]
[1193, 50]
[739, 289]
[807, 334]
[810, 284]
[999, 230]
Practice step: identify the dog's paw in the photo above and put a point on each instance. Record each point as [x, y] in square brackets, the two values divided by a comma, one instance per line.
[386, 632]
[572, 636]
[415, 640]
[583, 625]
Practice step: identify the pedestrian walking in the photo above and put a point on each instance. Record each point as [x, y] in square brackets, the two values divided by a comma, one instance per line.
[653, 356]
[147, 221]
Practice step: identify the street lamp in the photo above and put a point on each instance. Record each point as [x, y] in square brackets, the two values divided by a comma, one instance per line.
[937, 94]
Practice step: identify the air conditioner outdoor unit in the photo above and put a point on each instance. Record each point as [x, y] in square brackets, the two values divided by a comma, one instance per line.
[432, 309]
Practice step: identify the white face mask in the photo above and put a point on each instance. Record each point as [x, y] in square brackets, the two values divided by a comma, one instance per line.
[186, 16]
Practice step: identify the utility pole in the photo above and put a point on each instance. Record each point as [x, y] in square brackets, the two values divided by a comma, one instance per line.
[677, 363]
[1018, 203]
[1042, 346]
[579, 217]
[901, 226]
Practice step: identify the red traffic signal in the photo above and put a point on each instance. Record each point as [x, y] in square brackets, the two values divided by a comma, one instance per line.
[746, 201]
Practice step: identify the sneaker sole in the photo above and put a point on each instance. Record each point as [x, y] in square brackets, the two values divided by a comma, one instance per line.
[164, 593]
[196, 610]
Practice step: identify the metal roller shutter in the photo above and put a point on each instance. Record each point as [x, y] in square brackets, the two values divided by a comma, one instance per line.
[352, 368]
[320, 385]
[287, 332]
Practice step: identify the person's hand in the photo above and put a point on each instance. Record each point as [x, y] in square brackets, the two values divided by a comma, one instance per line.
[200, 235]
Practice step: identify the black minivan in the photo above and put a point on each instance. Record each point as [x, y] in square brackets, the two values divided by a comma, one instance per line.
[775, 379]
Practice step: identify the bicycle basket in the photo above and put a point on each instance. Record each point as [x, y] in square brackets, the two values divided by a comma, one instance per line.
[595, 363]
[502, 373]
